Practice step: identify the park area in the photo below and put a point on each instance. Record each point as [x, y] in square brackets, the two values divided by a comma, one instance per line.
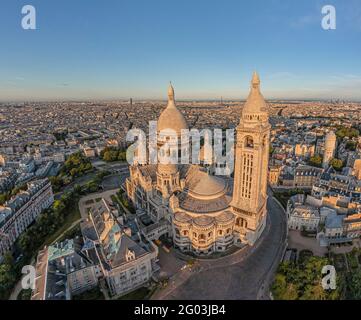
[301, 278]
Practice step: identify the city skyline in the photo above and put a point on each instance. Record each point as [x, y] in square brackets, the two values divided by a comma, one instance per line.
[70, 155]
[180, 150]
[123, 50]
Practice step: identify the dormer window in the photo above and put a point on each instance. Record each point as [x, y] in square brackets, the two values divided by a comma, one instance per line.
[129, 255]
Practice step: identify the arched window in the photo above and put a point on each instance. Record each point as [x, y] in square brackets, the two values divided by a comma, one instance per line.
[248, 142]
[264, 141]
[240, 222]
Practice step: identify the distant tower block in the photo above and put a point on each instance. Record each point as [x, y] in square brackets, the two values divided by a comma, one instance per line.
[330, 147]
[131, 102]
[357, 169]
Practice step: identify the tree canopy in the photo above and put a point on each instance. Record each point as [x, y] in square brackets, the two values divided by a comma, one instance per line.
[316, 161]
[337, 164]
[343, 132]
[76, 165]
[302, 281]
[110, 154]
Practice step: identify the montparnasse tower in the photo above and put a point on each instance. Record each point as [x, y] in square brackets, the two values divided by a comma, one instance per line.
[249, 202]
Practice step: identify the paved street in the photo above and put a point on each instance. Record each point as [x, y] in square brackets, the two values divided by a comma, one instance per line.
[115, 181]
[243, 275]
[299, 242]
[169, 263]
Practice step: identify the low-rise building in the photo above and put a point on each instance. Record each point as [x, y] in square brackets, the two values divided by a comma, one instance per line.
[306, 176]
[89, 152]
[304, 150]
[334, 226]
[274, 174]
[21, 210]
[7, 180]
[302, 215]
[65, 269]
[287, 179]
[127, 260]
[352, 226]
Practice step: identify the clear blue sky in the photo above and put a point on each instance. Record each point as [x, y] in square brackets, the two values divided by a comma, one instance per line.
[132, 48]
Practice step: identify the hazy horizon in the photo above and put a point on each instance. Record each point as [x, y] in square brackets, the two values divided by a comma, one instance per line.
[144, 100]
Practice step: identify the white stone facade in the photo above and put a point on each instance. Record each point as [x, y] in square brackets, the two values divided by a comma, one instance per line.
[206, 213]
[305, 217]
[19, 212]
[126, 261]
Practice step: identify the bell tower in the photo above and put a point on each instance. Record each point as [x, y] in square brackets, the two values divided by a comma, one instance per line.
[249, 202]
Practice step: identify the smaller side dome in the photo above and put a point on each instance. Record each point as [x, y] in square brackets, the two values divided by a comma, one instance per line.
[255, 102]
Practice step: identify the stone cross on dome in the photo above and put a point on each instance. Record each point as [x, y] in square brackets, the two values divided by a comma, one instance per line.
[255, 80]
[170, 92]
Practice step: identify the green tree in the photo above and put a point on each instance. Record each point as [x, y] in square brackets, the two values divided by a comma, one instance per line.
[314, 292]
[337, 164]
[122, 156]
[110, 154]
[316, 161]
[354, 292]
[279, 286]
[58, 205]
[343, 132]
[351, 145]
[73, 172]
[291, 292]
[77, 189]
[302, 280]
[107, 156]
[76, 165]
[4, 197]
[7, 276]
[57, 183]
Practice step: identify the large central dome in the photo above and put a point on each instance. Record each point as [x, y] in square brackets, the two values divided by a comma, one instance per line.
[171, 117]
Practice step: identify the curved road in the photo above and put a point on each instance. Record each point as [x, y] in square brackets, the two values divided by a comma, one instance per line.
[245, 275]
